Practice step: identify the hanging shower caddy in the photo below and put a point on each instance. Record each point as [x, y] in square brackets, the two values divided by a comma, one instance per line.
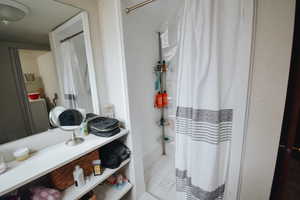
[161, 99]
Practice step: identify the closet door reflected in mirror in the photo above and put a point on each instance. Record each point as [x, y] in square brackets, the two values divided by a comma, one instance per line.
[46, 61]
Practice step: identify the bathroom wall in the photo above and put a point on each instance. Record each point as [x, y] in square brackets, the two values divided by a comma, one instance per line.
[91, 6]
[141, 54]
[40, 63]
[107, 44]
[271, 63]
[28, 59]
[48, 74]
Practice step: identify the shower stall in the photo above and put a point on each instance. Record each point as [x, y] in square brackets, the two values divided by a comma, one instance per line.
[192, 148]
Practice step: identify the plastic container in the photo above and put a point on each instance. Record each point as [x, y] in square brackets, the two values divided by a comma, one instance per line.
[33, 96]
[22, 154]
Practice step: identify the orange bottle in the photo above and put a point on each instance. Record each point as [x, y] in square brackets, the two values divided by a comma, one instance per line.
[155, 100]
[159, 100]
[165, 99]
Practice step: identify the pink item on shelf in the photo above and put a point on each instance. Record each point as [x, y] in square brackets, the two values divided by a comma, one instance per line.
[42, 193]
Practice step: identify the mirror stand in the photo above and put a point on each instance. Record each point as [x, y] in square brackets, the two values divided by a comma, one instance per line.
[68, 120]
[74, 140]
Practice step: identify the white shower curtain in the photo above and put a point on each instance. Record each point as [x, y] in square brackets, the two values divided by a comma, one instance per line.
[74, 75]
[208, 71]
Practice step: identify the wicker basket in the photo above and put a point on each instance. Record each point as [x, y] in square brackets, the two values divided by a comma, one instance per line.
[62, 178]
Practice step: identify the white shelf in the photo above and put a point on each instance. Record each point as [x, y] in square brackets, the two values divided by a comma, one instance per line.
[49, 159]
[73, 193]
[108, 192]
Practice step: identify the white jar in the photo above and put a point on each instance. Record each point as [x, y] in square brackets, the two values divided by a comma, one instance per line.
[108, 111]
[2, 164]
[22, 154]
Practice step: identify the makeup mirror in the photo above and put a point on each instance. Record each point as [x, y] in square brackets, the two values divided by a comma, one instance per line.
[68, 120]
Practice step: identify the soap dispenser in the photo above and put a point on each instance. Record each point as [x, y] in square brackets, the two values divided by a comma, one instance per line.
[78, 176]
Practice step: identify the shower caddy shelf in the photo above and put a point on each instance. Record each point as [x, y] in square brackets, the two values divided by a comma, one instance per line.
[159, 68]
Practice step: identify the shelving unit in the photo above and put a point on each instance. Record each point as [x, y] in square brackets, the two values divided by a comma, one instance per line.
[49, 159]
[74, 193]
[107, 192]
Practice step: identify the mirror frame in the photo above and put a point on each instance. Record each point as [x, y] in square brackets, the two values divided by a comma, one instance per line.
[55, 42]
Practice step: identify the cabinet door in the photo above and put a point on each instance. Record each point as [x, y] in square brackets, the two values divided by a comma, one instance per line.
[15, 120]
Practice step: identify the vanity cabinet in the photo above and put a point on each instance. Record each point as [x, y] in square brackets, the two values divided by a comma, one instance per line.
[56, 156]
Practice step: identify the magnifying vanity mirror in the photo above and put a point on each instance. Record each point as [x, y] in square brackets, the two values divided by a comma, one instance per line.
[68, 120]
[46, 62]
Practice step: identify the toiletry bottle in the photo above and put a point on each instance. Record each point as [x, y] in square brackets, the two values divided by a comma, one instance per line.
[155, 100]
[97, 167]
[159, 100]
[84, 129]
[78, 176]
[165, 98]
[159, 66]
[164, 66]
[2, 164]
[109, 111]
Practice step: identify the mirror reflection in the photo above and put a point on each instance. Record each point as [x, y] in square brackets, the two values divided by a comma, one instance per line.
[44, 64]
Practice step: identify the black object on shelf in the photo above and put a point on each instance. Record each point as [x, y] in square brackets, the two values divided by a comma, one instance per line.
[113, 154]
[102, 126]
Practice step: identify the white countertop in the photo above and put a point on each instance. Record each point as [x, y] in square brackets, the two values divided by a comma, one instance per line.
[47, 160]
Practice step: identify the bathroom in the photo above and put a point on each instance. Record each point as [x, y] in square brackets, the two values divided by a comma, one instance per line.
[122, 49]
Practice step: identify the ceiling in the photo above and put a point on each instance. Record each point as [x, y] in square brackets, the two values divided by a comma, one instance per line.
[43, 16]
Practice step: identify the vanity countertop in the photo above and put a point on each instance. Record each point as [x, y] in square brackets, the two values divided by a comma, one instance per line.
[49, 159]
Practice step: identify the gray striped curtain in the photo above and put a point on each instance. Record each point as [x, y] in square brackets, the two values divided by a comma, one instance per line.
[207, 71]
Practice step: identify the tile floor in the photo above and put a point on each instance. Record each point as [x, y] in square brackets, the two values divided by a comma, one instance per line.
[161, 182]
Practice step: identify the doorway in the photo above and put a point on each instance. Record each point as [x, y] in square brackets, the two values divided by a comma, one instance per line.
[286, 182]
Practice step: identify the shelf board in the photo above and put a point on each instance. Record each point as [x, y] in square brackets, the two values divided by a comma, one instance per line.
[49, 159]
[108, 192]
[73, 192]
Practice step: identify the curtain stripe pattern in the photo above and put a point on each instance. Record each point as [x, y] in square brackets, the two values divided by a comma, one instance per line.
[208, 126]
[202, 126]
[184, 184]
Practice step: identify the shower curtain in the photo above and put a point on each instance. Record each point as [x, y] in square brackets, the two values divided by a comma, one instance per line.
[74, 75]
[208, 74]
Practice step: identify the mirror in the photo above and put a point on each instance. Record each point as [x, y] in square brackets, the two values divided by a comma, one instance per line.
[46, 61]
[68, 120]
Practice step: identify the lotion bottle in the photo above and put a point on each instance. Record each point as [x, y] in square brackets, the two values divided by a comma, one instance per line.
[78, 176]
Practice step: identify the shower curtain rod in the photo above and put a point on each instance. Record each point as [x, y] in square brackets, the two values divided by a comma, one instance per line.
[70, 37]
[139, 5]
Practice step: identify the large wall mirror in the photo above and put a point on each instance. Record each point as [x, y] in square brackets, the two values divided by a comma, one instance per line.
[45, 61]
